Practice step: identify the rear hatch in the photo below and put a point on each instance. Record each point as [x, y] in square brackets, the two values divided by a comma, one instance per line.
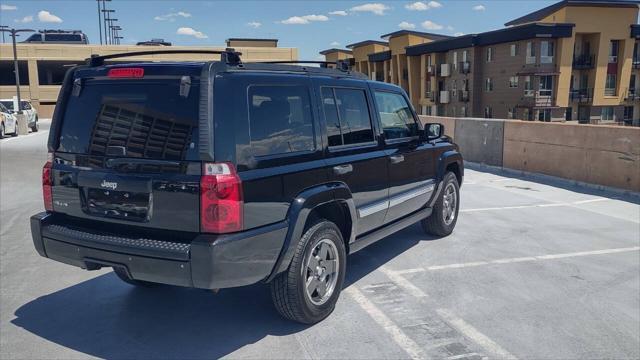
[126, 147]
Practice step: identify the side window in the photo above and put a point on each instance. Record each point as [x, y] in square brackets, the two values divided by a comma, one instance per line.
[347, 116]
[280, 119]
[395, 115]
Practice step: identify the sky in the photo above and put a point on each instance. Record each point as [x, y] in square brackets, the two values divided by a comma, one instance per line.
[310, 26]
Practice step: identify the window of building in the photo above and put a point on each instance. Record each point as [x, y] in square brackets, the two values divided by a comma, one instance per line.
[395, 116]
[511, 112]
[607, 114]
[488, 114]
[526, 114]
[463, 111]
[465, 85]
[610, 85]
[614, 46]
[280, 119]
[513, 49]
[546, 85]
[531, 53]
[546, 52]
[347, 116]
[488, 85]
[489, 54]
[544, 115]
[636, 56]
[454, 85]
[528, 86]
[513, 82]
[633, 90]
[628, 112]
[428, 60]
[568, 115]
[465, 54]
[7, 73]
[52, 72]
[455, 60]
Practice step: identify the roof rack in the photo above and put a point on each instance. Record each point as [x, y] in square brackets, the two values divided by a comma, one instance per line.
[340, 65]
[229, 56]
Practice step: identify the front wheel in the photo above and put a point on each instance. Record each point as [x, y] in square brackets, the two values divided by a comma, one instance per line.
[443, 219]
[2, 131]
[308, 291]
[35, 126]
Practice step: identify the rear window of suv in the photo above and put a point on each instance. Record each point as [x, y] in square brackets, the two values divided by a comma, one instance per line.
[141, 119]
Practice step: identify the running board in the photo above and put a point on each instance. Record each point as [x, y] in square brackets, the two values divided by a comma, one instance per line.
[389, 229]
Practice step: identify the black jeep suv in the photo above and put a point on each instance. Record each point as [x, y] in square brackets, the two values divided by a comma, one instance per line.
[223, 174]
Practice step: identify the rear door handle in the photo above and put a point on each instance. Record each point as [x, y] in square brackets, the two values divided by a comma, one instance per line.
[396, 159]
[342, 169]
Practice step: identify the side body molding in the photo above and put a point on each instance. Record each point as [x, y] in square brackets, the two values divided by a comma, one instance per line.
[299, 212]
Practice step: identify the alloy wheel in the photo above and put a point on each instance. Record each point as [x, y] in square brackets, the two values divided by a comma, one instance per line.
[321, 272]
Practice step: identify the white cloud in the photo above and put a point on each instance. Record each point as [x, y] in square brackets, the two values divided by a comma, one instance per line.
[458, 34]
[406, 25]
[449, 27]
[376, 8]
[171, 17]
[430, 25]
[338, 13]
[45, 16]
[479, 8]
[422, 6]
[24, 20]
[335, 43]
[302, 20]
[254, 24]
[5, 7]
[191, 32]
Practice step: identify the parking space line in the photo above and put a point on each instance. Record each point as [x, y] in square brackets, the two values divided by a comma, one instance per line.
[405, 342]
[535, 205]
[516, 260]
[402, 282]
[473, 334]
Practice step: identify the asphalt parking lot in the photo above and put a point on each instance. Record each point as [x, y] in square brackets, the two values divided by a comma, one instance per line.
[535, 269]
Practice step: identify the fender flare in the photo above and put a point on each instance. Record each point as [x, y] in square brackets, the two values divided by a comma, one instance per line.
[300, 208]
[447, 158]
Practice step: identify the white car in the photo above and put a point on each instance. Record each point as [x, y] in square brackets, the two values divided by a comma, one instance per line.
[27, 109]
[8, 123]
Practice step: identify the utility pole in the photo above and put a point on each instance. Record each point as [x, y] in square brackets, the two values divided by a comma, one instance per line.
[105, 19]
[14, 33]
[112, 32]
[99, 20]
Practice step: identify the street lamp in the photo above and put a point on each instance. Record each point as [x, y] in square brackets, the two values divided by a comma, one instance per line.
[13, 33]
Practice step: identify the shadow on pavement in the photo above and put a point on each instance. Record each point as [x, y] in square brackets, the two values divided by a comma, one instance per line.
[107, 318]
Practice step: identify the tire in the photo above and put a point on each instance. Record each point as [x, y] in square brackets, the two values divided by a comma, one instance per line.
[35, 126]
[289, 289]
[122, 274]
[2, 134]
[443, 219]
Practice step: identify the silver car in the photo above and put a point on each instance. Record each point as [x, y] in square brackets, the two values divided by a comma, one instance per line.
[30, 112]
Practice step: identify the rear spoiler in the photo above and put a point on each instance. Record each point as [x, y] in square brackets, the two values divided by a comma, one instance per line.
[229, 56]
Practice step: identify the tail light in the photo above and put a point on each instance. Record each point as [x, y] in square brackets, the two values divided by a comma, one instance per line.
[47, 181]
[220, 199]
[126, 73]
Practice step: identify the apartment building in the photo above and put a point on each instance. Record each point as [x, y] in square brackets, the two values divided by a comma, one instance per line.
[42, 66]
[334, 55]
[576, 60]
[361, 51]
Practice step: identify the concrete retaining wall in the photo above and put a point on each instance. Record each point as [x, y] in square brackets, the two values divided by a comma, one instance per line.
[596, 154]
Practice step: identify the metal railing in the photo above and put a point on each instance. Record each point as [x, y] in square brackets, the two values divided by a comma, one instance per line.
[584, 61]
[539, 99]
[465, 67]
[632, 95]
[581, 95]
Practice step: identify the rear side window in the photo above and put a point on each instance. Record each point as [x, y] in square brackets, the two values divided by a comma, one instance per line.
[280, 119]
[142, 119]
[396, 116]
[62, 37]
[347, 116]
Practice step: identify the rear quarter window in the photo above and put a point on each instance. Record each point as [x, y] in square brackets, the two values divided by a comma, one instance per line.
[280, 119]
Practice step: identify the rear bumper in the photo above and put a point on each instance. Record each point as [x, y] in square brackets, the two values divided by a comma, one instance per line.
[208, 262]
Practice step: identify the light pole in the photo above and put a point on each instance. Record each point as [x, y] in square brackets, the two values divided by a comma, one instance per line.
[116, 34]
[106, 21]
[13, 33]
[99, 20]
[3, 27]
[112, 32]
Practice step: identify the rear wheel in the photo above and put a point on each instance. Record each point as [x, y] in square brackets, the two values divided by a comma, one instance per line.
[443, 219]
[35, 126]
[308, 291]
[124, 276]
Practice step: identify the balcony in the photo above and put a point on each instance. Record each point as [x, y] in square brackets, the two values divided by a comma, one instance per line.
[632, 95]
[445, 70]
[636, 63]
[541, 99]
[582, 62]
[431, 96]
[445, 97]
[465, 67]
[581, 95]
[463, 95]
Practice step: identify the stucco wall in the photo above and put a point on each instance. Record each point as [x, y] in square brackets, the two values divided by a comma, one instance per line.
[596, 154]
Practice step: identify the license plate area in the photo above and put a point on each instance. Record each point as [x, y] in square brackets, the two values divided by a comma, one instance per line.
[118, 204]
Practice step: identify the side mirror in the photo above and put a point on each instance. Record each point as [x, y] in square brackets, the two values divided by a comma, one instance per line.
[433, 131]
